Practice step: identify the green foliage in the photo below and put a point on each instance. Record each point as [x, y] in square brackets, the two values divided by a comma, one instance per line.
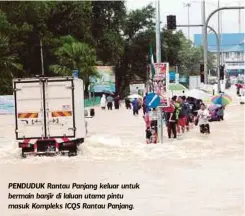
[83, 34]
[74, 55]
[139, 20]
[9, 65]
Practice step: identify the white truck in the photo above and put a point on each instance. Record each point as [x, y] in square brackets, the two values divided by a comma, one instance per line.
[49, 115]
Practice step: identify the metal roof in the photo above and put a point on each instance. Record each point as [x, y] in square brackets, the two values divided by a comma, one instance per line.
[229, 42]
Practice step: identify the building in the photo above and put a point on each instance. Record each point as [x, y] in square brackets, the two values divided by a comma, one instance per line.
[232, 50]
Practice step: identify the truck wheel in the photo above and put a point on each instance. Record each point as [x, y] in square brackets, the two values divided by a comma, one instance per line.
[73, 151]
[23, 153]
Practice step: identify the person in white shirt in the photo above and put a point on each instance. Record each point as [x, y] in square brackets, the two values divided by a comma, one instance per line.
[103, 101]
[203, 117]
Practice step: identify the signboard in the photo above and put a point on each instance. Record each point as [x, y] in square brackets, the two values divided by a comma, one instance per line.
[160, 81]
[137, 89]
[105, 82]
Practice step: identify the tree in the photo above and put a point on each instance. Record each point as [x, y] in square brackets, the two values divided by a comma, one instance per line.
[9, 65]
[75, 55]
[191, 57]
[29, 20]
[138, 34]
[139, 20]
[107, 23]
[71, 18]
[100, 32]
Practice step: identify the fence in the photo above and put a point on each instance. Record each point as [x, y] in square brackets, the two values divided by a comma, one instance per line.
[7, 103]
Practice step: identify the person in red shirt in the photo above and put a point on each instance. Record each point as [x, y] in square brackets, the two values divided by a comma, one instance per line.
[182, 118]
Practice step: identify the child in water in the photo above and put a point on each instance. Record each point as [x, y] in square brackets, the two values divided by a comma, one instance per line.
[151, 130]
[203, 117]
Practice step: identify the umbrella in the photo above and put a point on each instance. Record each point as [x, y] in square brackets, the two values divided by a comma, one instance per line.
[214, 107]
[176, 87]
[133, 96]
[221, 99]
[198, 94]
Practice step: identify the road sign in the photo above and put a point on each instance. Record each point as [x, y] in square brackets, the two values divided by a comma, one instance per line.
[152, 100]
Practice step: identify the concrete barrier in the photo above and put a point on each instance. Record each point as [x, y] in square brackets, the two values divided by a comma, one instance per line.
[7, 104]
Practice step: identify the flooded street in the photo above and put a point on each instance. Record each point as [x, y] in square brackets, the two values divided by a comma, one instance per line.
[195, 175]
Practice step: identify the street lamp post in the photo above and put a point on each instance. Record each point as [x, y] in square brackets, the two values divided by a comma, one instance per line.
[188, 5]
[206, 42]
[217, 43]
[158, 39]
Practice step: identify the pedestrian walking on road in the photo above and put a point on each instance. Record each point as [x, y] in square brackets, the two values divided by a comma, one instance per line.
[127, 103]
[170, 118]
[117, 102]
[109, 102]
[185, 108]
[103, 102]
[177, 112]
[135, 105]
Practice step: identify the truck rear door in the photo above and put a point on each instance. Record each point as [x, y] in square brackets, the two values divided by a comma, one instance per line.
[59, 99]
[29, 118]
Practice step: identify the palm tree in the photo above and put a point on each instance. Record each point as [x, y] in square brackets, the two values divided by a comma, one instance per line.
[75, 55]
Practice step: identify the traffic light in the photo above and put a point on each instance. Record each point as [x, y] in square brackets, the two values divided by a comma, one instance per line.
[221, 72]
[202, 73]
[171, 22]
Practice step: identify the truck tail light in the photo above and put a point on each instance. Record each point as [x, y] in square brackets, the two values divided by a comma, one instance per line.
[24, 145]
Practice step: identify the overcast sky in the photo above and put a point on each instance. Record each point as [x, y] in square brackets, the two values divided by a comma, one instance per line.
[229, 18]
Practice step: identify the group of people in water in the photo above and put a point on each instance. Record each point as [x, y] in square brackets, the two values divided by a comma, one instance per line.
[182, 114]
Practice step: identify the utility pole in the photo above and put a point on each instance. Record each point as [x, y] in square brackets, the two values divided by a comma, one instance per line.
[41, 54]
[158, 57]
[204, 41]
[188, 5]
[158, 39]
[239, 19]
[221, 36]
[219, 26]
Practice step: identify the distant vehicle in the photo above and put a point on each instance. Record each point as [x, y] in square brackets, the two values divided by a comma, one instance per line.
[49, 115]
